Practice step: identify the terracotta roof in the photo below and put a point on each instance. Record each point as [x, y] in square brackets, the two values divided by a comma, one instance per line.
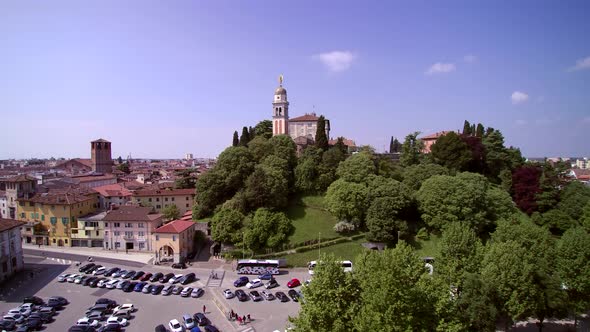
[65, 196]
[581, 174]
[132, 213]
[164, 192]
[111, 190]
[435, 135]
[100, 140]
[175, 227]
[305, 118]
[83, 162]
[91, 178]
[346, 141]
[21, 178]
[6, 224]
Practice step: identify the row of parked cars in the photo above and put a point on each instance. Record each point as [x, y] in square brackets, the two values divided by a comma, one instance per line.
[104, 316]
[189, 323]
[115, 272]
[32, 314]
[265, 294]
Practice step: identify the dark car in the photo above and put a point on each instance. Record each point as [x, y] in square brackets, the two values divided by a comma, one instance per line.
[241, 295]
[95, 282]
[128, 275]
[110, 328]
[34, 300]
[137, 275]
[255, 296]
[81, 328]
[139, 286]
[110, 303]
[145, 277]
[241, 281]
[24, 328]
[293, 295]
[34, 323]
[56, 303]
[88, 281]
[201, 319]
[110, 271]
[166, 277]
[156, 276]
[179, 266]
[211, 328]
[156, 289]
[129, 287]
[282, 297]
[265, 276]
[45, 317]
[7, 325]
[104, 308]
[92, 269]
[187, 279]
[61, 300]
[86, 267]
[272, 283]
[123, 284]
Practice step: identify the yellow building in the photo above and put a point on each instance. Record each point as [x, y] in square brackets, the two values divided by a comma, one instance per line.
[58, 211]
[175, 240]
[162, 198]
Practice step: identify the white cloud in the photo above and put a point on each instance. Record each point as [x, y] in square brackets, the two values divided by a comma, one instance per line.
[470, 58]
[519, 97]
[439, 68]
[336, 61]
[581, 64]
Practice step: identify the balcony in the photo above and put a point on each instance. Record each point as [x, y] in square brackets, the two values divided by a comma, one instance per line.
[128, 237]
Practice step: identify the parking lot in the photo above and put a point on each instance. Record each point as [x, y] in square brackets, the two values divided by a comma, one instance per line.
[159, 309]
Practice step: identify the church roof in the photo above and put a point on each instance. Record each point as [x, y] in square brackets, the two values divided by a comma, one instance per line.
[100, 140]
[305, 118]
[280, 91]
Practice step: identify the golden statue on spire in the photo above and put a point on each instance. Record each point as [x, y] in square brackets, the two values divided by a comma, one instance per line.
[281, 80]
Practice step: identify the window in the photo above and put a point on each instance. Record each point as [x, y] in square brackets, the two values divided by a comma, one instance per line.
[117, 244]
[158, 206]
[106, 224]
[128, 234]
[141, 245]
[157, 199]
[42, 217]
[187, 198]
[116, 233]
[173, 237]
[28, 229]
[157, 237]
[74, 231]
[140, 225]
[53, 207]
[117, 224]
[128, 225]
[32, 215]
[31, 204]
[97, 233]
[87, 233]
[66, 241]
[23, 215]
[106, 233]
[64, 220]
[166, 199]
[186, 204]
[141, 234]
[149, 199]
[172, 199]
[53, 240]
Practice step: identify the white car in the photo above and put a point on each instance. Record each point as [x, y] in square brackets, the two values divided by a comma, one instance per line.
[16, 318]
[23, 311]
[78, 279]
[63, 278]
[72, 277]
[85, 321]
[254, 283]
[117, 320]
[125, 307]
[228, 293]
[100, 270]
[175, 279]
[103, 283]
[175, 326]
[27, 306]
[112, 284]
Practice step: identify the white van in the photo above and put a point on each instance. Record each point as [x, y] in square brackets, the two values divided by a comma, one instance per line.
[112, 284]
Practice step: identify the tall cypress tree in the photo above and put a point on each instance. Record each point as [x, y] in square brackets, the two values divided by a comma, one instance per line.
[236, 141]
[466, 128]
[321, 140]
[479, 130]
[391, 145]
[397, 146]
[251, 133]
[245, 137]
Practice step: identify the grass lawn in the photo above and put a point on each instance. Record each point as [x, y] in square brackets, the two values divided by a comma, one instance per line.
[344, 251]
[309, 219]
[427, 248]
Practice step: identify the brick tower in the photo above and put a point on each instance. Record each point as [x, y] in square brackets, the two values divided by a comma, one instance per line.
[101, 156]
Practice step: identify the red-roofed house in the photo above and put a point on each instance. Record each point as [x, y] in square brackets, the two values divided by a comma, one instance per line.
[161, 198]
[429, 140]
[113, 194]
[175, 240]
[130, 228]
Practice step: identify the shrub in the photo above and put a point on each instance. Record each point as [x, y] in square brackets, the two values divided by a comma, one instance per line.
[423, 234]
[344, 227]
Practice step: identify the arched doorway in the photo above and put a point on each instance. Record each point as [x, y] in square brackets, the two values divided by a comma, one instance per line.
[60, 243]
[166, 253]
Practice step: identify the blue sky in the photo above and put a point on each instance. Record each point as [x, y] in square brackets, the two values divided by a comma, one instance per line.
[163, 78]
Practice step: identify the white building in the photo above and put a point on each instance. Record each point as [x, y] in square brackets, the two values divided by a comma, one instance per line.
[11, 249]
[3, 205]
[188, 156]
[582, 163]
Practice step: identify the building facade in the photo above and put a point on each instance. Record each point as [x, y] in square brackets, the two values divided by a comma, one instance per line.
[159, 199]
[113, 194]
[90, 231]
[11, 249]
[18, 187]
[175, 240]
[130, 228]
[3, 204]
[306, 126]
[100, 153]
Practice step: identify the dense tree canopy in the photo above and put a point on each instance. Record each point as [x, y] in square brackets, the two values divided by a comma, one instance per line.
[451, 152]
[415, 175]
[225, 226]
[411, 150]
[356, 168]
[348, 200]
[267, 229]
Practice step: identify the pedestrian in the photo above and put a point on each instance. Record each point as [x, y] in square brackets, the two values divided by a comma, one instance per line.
[204, 309]
[232, 313]
[239, 320]
[248, 318]
[244, 319]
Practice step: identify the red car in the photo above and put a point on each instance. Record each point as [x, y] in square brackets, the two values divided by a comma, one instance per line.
[293, 283]
[145, 277]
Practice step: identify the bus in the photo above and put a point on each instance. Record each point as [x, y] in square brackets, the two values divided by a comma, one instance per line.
[252, 266]
[346, 266]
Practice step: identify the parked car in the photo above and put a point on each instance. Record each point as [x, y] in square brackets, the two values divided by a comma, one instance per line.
[122, 314]
[266, 276]
[85, 321]
[103, 283]
[80, 279]
[177, 290]
[210, 328]
[125, 307]
[100, 271]
[111, 271]
[45, 317]
[128, 274]
[7, 325]
[139, 286]
[160, 328]
[201, 319]
[271, 284]
[268, 295]
[61, 301]
[293, 283]
[147, 288]
[16, 318]
[87, 281]
[197, 292]
[241, 281]
[95, 315]
[175, 326]
[110, 303]
[113, 283]
[188, 278]
[80, 328]
[137, 275]
[241, 295]
[84, 268]
[175, 279]
[254, 283]
[293, 295]
[165, 278]
[119, 273]
[156, 276]
[255, 296]
[94, 282]
[122, 284]
[63, 277]
[145, 277]
[129, 287]
[117, 320]
[110, 328]
[47, 310]
[33, 324]
[71, 277]
[156, 289]
[92, 269]
[282, 297]
[34, 300]
[186, 292]
[179, 266]
[228, 294]
[22, 311]
[167, 290]
[103, 307]
[188, 321]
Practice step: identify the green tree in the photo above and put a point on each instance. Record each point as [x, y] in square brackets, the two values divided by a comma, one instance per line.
[210, 192]
[234, 165]
[391, 145]
[124, 167]
[415, 175]
[119, 160]
[467, 128]
[267, 229]
[283, 147]
[331, 299]
[450, 151]
[383, 220]
[171, 212]
[460, 251]
[479, 131]
[236, 140]
[573, 265]
[321, 140]
[497, 158]
[245, 137]
[347, 200]
[574, 198]
[585, 218]
[260, 148]
[306, 174]
[411, 150]
[264, 129]
[251, 133]
[226, 225]
[356, 168]
[268, 185]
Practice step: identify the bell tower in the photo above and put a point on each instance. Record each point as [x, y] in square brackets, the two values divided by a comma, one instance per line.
[280, 111]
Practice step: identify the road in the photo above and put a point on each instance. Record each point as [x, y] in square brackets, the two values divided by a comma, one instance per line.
[81, 258]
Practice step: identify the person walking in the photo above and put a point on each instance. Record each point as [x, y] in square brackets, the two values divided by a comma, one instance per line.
[239, 320]
[248, 318]
[204, 309]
